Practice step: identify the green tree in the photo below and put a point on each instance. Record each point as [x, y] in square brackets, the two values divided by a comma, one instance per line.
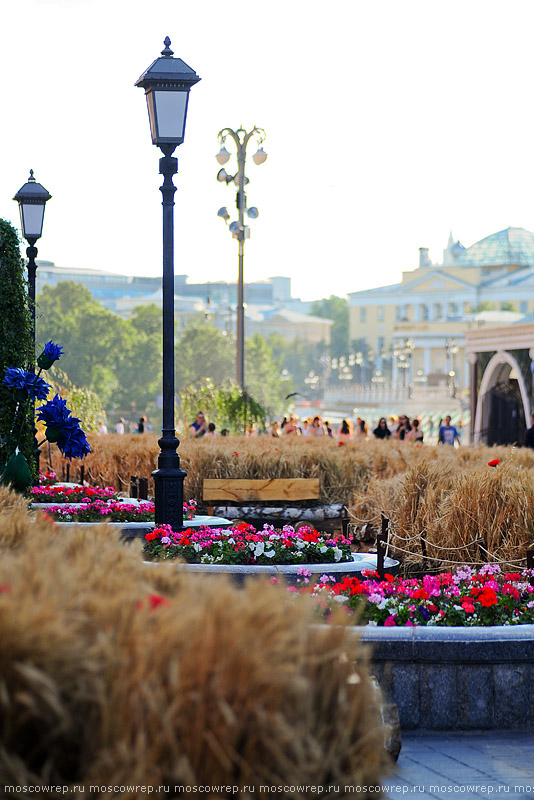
[94, 339]
[118, 359]
[336, 309]
[262, 376]
[298, 359]
[139, 368]
[15, 341]
[202, 351]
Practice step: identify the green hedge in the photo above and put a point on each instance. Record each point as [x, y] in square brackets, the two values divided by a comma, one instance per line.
[15, 335]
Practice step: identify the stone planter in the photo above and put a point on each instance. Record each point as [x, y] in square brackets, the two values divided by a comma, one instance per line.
[289, 572]
[456, 678]
[137, 530]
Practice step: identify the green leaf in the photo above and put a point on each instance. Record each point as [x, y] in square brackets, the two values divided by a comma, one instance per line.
[16, 472]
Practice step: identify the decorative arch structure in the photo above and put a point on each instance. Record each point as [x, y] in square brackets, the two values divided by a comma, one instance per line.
[499, 367]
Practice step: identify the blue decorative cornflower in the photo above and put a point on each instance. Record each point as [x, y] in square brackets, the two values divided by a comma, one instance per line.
[63, 429]
[18, 378]
[50, 354]
[55, 413]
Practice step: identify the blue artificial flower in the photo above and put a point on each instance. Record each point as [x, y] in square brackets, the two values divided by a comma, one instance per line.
[75, 445]
[50, 354]
[55, 413]
[18, 378]
[63, 429]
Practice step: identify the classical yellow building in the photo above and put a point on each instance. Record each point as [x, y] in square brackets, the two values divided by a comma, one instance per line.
[418, 326]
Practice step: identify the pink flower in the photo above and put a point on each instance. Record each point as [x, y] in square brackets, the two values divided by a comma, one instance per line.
[390, 622]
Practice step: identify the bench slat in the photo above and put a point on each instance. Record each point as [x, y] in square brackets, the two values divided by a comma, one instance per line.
[242, 490]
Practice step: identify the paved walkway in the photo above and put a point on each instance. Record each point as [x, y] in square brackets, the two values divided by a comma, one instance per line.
[469, 765]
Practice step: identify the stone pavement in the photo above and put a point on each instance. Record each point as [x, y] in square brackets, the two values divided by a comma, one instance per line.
[470, 765]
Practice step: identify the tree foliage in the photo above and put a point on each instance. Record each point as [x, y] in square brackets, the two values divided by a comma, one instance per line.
[15, 335]
[336, 309]
[225, 405]
[118, 359]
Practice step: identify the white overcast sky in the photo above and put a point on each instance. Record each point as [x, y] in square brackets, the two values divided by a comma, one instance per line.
[388, 123]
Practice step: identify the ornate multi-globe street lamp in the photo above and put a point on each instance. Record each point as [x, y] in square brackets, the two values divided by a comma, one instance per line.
[167, 82]
[451, 349]
[238, 229]
[32, 198]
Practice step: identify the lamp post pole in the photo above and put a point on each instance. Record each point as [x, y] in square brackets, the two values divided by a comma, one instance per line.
[239, 230]
[32, 198]
[167, 83]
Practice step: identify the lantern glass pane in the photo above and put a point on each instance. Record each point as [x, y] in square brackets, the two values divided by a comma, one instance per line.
[152, 116]
[31, 216]
[170, 107]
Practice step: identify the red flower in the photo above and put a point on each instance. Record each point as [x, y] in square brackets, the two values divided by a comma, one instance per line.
[151, 535]
[494, 462]
[156, 600]
[468, 607]
[236, 453]
[488, 598]
[340, 444]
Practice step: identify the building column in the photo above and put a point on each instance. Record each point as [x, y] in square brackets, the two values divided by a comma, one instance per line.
[473, 394]
[427, 362]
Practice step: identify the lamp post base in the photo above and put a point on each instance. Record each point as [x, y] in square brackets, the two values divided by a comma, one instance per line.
[169, 486]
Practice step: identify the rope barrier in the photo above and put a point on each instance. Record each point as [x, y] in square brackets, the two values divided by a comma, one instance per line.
[457, 563]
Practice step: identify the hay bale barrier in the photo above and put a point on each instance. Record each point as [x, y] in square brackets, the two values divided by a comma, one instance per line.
[446, 505]
[115, 674]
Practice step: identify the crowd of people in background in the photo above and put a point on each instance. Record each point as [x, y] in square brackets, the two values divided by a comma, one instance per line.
[400, 427]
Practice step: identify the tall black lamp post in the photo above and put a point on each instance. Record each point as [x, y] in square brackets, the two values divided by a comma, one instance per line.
[167, 83]
[32, 198]
[238, 229]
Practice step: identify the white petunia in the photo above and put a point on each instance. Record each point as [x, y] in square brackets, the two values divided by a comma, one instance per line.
[269, 553]
[259, 548]
[337, 554]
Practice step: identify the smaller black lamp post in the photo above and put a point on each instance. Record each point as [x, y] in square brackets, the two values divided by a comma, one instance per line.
[167, 82]
[32, 198]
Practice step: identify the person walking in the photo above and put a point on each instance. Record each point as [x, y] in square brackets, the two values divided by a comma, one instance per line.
[344, 433]
[415, 434]
[199, 427]
[448, 433]
[382, 431]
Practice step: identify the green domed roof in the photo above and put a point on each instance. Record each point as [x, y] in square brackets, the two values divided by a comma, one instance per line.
[511, 246]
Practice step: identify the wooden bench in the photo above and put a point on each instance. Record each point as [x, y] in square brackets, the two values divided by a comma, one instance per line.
[237, 493]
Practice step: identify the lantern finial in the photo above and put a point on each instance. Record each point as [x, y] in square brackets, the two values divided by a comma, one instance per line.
[167, 51]
[31, 178]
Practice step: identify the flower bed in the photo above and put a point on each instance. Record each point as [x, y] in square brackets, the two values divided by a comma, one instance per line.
[243, 544]
[48, 478]
[59, 493]
[96, 510]
[463, 598]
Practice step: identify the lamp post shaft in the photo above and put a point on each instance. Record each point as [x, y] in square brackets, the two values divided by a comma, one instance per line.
[241, 139]
[240, 360]
[31, 252]
[168, 478]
